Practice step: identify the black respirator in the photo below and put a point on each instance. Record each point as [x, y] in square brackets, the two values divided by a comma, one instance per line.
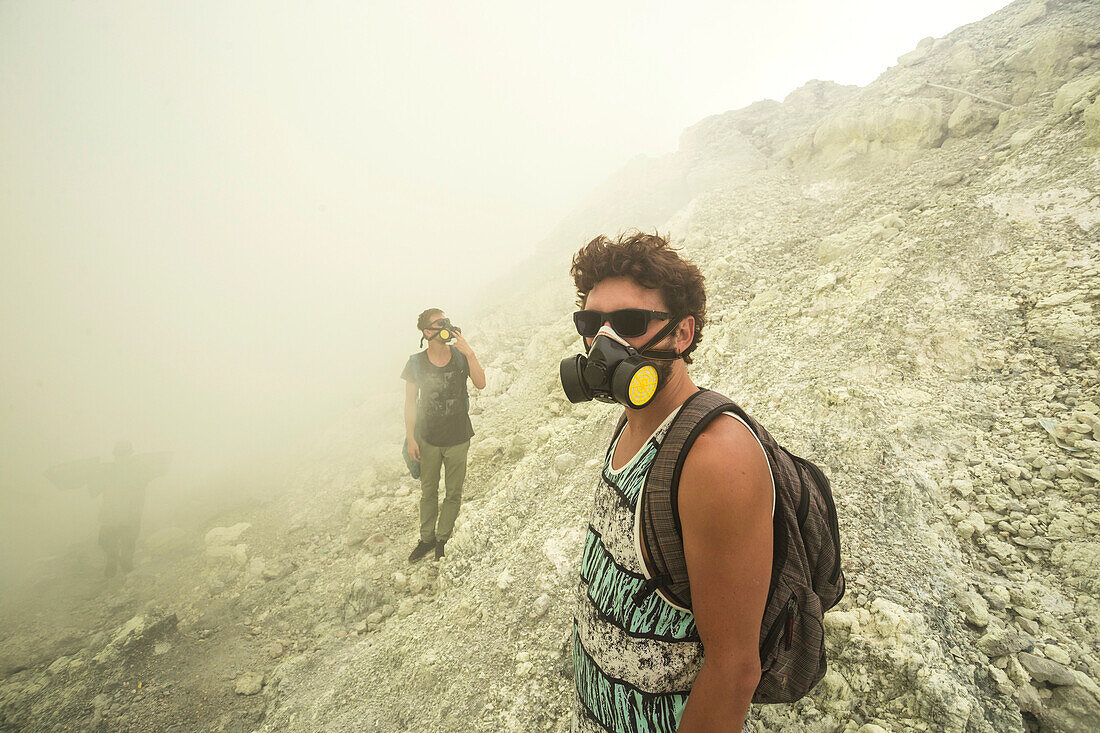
[615, 371]
[445, 331]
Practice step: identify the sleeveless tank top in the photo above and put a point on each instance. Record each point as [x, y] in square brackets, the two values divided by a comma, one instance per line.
[634, 665]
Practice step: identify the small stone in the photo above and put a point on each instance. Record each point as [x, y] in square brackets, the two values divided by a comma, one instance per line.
[1029, 700]
[825, 281]
[249, 683]
[564, 462]
[950, 179]
[975, 608]
[540, 606]
[1056, 653]
[1002, 642]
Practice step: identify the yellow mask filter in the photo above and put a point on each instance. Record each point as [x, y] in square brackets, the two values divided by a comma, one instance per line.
[444, 335]
[643, 385]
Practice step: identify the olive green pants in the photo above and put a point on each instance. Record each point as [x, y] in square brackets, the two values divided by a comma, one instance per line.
[452, 460]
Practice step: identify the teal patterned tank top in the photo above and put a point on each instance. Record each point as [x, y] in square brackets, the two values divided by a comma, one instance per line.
[633, 664]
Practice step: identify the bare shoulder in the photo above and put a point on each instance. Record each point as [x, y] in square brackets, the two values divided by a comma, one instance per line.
[726, 465]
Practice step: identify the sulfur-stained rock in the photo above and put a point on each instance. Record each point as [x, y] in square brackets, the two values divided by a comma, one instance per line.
[971, 118]
[249, 683]
[974, 606]
[918, 54]
[222, 536]
[963, 58]
[1002, 642]
[1048, 55]
[1075, 95]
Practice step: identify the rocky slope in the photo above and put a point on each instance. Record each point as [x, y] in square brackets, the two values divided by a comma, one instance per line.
[904, 285]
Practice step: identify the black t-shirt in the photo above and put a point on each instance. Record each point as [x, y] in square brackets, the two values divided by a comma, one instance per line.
[442, 410]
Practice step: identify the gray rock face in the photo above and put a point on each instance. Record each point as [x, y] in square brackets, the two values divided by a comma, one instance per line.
[1045, 670]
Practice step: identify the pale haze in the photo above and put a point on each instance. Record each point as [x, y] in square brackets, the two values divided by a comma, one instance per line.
[219, 220]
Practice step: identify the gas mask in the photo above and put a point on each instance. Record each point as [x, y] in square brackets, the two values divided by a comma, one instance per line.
[615, 371]
[445, 332]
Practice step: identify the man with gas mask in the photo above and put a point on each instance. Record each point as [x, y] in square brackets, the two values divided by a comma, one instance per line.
[639, 661]
[437, 423]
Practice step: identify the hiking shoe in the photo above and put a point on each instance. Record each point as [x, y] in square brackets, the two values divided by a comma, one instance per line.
[439, 549]
[421, 549]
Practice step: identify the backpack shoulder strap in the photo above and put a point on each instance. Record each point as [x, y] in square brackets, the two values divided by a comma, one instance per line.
[661, 530]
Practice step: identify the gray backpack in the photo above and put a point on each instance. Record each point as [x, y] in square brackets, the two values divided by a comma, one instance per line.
[806, 575]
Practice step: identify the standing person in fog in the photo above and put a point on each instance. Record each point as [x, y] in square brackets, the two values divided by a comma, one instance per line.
[437, 423]
[122, 484]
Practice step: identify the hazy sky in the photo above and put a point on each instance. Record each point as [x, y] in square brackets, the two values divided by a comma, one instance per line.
[216, 214]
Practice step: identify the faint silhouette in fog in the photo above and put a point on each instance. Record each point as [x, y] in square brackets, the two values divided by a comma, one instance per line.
[122, 484]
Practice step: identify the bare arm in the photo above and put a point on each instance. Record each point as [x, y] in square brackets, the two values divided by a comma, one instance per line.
[477, 374]
[725, 507]
[411, 392]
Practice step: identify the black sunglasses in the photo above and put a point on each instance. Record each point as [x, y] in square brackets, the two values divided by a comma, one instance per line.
[628, 322]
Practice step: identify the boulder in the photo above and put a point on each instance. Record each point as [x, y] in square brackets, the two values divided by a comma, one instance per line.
[1081, 561]
[220, 536]
[1047, 56]
[1073, 708]
[971, 118]
[1074, 96]
[918, 54]
[918, 123]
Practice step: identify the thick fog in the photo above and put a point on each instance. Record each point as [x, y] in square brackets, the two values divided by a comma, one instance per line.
[218, 221]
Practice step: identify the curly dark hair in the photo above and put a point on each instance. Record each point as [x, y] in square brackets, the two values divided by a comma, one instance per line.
[425, 319]
[650, 261]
